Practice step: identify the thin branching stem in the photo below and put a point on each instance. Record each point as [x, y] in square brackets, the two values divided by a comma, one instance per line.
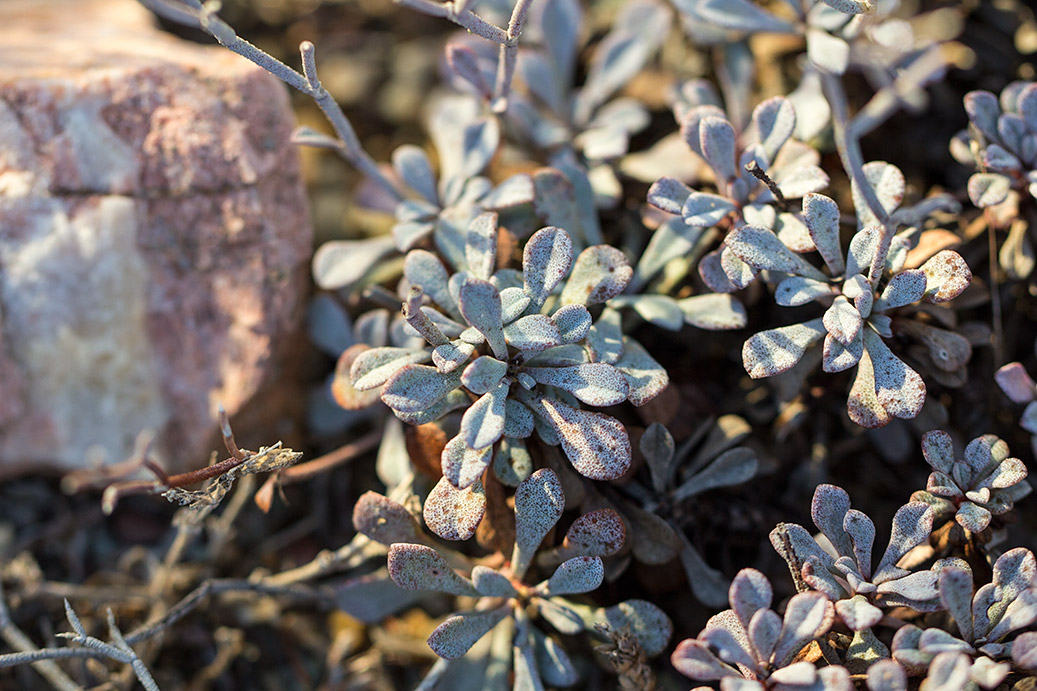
[349, 147]
[28, 653]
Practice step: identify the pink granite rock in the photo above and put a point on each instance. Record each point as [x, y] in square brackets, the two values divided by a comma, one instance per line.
[154, 236]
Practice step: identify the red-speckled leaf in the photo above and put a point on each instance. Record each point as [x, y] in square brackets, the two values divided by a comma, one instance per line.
[796, 290]
[703, 209]
[843, 321]
[449, 356]
[1016, 383]
[668, 194]
[807, 616]
[947, 275]
[802, 181]
[573, 321]
[828, 509]
[374, 597]
[696, 660]
[857, 613]
[898, 387]
[761, 249]
[463, 465]
[750, 592]
[539, 502]
[861, 531]
[838, 357]
[594, 383]
[595, 534]
[645, 377]
[596, 444]
[713, 311]
[492, 583]
[851, 6]
[938, 450]
[775, 121]
[777, 350]
[422, 268]
[562, 618]
[481, 245]
[888, 183]
[545, 262]
[989, 189]
[605, 338]
[764, 630]
[821, 215]
[903, 289]
[600, 272]
[717, 141]
[863, 405]
[574, 576]
[374, 366]
[483, 423]
[414, 388]
[533, 332]
[417, 567]
[553, 662]
[481, 307]
[383, 520]
[1024, 651]
[983, 110]
[454, 514]
[956, 595]
[483, 374]
[452, 639]
[886, 675]
[912, 525]
[649, 623]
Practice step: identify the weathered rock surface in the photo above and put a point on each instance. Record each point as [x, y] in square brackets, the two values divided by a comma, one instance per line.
[154, 237]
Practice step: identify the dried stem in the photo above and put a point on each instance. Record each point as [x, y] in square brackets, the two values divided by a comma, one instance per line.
[29, 653]
[193, 13]
[754, 169]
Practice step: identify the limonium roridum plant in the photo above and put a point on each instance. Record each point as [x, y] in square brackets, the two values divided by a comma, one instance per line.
[524, 346]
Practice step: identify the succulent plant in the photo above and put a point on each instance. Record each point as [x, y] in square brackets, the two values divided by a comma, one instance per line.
[1001, 143]
[861, 293]
[505, 603]
[1021, 388]
[983, 619]
[529, 356]
[784, 169]
[985, 482]
[751, 642]
[847, 577]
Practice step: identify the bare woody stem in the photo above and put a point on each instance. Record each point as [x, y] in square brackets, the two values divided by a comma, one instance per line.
[193, 13]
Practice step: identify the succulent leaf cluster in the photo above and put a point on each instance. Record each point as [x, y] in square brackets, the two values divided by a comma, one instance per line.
[862, 291]
[1021, 388]
[518, 352]
[503, 601]
[984, 483]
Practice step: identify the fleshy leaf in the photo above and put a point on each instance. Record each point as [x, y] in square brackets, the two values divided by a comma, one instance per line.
[717, 139]
[413, 167]
[912, 524]
[561, 617]
[750, 592]
[576, 575]
[862, 405]
[713, 311]
[775, 121]
[657, 447]
[886, 675]
[796, 290]
[696, 660]
[599, 273]
[829, 53]
[843, 321]
[341, 263]
[375, 366]
[481, 307]
[668, 194]
[888, 183]
[595, 534]
[492, 583]
[955, 586]
[594, 383]
[414, 388]
[453, 638]
[463, 465]
[703, 209]
[596, 444]
[483, 422]
[417, 567]
[807, 616]
[905, 288]
[532, 332]
[483, 374]
[989, 189]
[384, 520]
[539, 502]
[645, 377]
[481, 245]
[553, 662]
[947, 275]
[424, 269]
[857, 613]
[777, 350]
[454, 514]
[1016, 383]
[573, 321]
[821, 215]
[898, 387]
[828, 510]
[732, 467]
[761, 249]
[838, 357]
[545, 262]
[649, 623]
